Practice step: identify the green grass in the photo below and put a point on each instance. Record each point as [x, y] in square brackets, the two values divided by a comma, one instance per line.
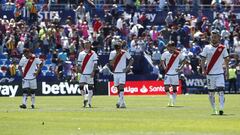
[143, 116]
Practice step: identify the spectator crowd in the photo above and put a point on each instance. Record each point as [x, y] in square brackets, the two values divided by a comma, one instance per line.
[58, 43]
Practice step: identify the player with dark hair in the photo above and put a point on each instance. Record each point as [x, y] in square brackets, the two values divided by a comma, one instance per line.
[172, 62]
[213, 57]
[87, 63]
[29, 67]
[118, 62]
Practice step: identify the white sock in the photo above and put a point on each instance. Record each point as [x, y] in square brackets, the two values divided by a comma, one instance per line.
[221, 100]
[84, 95]
[24, 100]
[174, 96]
[212, 99]
[33, 99]
[121, 97]
[90, 94]
[169, 96]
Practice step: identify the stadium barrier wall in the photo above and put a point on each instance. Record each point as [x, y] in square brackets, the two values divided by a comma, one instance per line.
[47, 86]
[135, 85]
[141, 88]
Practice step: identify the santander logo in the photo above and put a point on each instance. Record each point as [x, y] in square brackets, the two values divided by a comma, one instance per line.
[144, 89]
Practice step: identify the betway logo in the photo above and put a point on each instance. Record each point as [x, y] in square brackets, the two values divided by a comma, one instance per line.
[196, 82]
[62, 88]
[8, 90]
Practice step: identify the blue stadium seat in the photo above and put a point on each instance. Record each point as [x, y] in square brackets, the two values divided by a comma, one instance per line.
[49, 56]
[44, 68]
[48, 62]
[8, 62]
[2, 57]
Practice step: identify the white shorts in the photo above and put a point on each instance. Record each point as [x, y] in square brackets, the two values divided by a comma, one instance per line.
[86, 79]
[119, 78]
[215, 81]
[171, 80]
[31, 83]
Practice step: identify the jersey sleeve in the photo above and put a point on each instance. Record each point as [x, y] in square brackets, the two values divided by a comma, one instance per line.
[79, 61]
[111, 56]
[38, 61]
[21, 63]
[182, 57]
[204, 52]
[225, 53]
[163, 57]
[95, 58]
[128, 56]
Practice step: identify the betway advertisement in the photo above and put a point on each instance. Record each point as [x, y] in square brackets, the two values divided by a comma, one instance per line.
[47, 86]
[141, 88]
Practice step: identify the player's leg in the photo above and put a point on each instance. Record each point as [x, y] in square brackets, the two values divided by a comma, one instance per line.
[122, 103]
[174, 95]
[175, 83]
[25, 87]
[32, 92]
[33, 88]
[90, 90]
[221, 99]
[167, 90]
[211, 92]
[122, 81]
[116, 83]
[220, 84]
[24, 98]
[82, 82]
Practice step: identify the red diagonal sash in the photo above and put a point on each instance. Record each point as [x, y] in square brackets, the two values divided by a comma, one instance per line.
[86, 59]
[117, 59]
[171, 61]
[215, 57]
[29, 64]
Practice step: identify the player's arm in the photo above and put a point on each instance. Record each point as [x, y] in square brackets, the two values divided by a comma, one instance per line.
[79, 64]
[184, 61]
[39, 67]
[226, 62]
[94, 70]
[203, 56]
[203, 60]
[20, 70]
[95, 66]
[20, 67]
[130, 63]
[79, 67]
[162, 64]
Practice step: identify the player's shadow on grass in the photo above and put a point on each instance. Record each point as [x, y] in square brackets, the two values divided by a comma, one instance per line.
[175, 106]
[224, 115]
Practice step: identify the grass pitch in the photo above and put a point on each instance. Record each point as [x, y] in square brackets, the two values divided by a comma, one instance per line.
[143, 116]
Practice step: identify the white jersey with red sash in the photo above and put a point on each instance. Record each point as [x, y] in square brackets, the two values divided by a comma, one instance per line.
[120, 61]
[215, 58]
[172, 61]
[29, 66]
[87, 61]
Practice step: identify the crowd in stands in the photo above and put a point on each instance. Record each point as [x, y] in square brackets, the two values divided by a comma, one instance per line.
[58, 44]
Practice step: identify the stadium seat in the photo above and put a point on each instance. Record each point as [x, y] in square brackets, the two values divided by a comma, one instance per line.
[44, 68]
[2, 57]
[48, 62]
[49, 56]
[8, 62]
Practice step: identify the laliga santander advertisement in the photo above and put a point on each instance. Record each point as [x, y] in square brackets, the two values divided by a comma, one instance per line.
[141, 88]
